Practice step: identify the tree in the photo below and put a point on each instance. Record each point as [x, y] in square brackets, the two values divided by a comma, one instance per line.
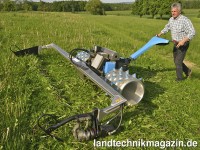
[95, 7]
[139, 8]
[145, 8]
[8, 5]
[1, 5]
[164, 8]
[41, 6]
[27, 5]
[82, 5]
[152, 7]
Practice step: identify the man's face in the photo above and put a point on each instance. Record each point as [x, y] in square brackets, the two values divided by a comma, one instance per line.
[175, 12]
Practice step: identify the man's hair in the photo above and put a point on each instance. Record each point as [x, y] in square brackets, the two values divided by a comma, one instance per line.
[177, 5]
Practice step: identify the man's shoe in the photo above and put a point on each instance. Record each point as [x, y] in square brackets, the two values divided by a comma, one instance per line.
[189, 74]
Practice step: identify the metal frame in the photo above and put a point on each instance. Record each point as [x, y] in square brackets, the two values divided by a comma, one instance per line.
[116, 98]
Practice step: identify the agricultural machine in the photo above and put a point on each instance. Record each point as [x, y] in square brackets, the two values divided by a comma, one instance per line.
[110, 72]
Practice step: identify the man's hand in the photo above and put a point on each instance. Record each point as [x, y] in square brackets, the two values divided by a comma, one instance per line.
[158, 35]
[182, 42]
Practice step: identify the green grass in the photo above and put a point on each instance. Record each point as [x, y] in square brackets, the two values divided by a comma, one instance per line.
[30, 86]
[119, 13]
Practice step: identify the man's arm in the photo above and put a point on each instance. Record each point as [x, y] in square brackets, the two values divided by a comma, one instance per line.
[189, 29]
[165, 30]
[190, 33]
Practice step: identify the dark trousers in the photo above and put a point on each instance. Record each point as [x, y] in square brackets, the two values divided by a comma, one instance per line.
[179, 55]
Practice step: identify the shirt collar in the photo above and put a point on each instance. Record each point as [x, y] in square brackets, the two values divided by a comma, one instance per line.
[177, 17]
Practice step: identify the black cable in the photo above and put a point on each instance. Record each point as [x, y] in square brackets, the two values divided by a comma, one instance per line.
[43, 129]
[63, 122]
[71, 56]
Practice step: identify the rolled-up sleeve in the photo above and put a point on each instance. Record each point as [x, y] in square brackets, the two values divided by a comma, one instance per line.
[166, 29]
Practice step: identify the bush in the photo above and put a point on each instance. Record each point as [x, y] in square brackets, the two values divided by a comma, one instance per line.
[95, 7]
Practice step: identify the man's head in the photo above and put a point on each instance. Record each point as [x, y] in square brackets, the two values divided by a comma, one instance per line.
[175, 10]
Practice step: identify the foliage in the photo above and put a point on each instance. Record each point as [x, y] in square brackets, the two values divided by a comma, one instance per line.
[64, 6]
[56, 6]
[117, 6]
[191, 4]
[8, 5]
[95, 7]
[154, 7]
[138, 8]
[48, 83]
[159, 7]
[151, 7]
[164, 8]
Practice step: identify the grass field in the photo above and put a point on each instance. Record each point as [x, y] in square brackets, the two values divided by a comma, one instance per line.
[30, 86]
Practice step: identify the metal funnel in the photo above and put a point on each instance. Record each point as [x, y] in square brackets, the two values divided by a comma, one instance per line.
[132, 90]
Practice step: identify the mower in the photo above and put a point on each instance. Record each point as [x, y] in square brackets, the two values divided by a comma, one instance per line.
[111, 73]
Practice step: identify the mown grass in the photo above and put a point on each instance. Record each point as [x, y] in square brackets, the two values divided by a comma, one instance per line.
[32, 85]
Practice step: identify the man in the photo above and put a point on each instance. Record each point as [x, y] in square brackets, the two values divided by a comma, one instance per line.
[182, 31]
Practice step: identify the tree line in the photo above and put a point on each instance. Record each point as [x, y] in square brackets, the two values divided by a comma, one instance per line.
[139, 7]
[59, 6]
[160, 7]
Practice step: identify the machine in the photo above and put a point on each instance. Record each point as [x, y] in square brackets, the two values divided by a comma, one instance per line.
[110, 72]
